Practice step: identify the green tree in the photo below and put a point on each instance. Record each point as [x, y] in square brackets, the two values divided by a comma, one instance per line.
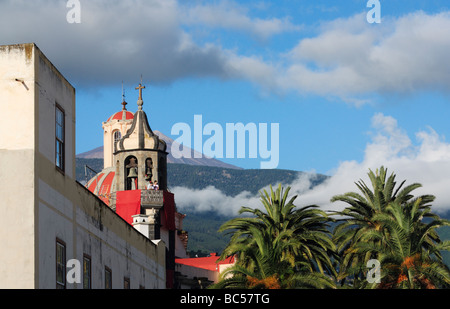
[282, 247]
[388, 224]
[410, 256]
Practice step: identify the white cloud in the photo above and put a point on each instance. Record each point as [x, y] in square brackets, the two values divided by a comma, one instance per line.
[230, 15]
[347, 58]
[426, 162]
[354, 60]
[350, 57]
[115, 41]
[119, 40]
[212, 199]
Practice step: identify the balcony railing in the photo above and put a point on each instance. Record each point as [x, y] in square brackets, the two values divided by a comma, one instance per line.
[152, 198]
[149, 198]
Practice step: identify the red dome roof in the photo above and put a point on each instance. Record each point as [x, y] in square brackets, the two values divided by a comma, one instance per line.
[122, 115]
[102, 184]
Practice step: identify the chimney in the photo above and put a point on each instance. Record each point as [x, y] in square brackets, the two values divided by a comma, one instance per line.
[142, 224]
[148, 224]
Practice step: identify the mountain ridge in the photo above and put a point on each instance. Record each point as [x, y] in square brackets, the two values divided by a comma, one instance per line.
[97, 153]
[203, 226]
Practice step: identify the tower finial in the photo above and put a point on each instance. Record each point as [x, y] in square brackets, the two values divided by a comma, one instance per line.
[140, 101]
[124, 103]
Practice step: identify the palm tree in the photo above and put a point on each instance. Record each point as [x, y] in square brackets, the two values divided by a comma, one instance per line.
[410, 256]
[372, 227]
[285, 245]
[267, 269]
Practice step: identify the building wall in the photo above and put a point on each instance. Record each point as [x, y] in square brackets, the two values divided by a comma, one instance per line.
[40, 204]
[17, 142]
[52, 88]
[99, 233]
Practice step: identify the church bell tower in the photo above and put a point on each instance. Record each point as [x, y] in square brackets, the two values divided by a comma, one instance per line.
[134, 157]
[140, 155]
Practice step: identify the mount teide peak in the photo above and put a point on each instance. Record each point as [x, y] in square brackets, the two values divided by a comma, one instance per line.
[97, 153]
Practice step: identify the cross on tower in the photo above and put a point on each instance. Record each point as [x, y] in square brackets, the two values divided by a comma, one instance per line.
[140, 87]
[140, 102]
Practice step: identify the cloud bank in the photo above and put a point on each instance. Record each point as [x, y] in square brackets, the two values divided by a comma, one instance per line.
[116, 40]
[345, 58]
[424, 159]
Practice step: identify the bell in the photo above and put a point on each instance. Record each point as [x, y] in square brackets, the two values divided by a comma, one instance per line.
[148, 174]
[132, 173]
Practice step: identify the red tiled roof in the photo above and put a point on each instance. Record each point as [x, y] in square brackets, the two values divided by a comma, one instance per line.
[94, 182]
[101, 185]
[209, 262]
[120, 116]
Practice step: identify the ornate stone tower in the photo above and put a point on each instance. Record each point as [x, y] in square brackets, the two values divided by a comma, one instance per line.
[140, 155]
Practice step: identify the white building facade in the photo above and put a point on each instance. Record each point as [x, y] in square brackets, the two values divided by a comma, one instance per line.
[48, 219]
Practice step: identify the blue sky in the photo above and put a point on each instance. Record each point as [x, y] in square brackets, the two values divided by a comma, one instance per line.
[317, 131]
[345, 93]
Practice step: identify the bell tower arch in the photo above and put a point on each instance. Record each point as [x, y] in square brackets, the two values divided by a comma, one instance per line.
[131, 173]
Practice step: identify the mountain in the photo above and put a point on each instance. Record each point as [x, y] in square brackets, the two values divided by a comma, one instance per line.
[97, 153]
[198, 173]
[230, 181]
[205, 172]
[203, 226]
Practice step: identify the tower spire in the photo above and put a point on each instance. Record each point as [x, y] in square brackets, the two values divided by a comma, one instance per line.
[124, 103]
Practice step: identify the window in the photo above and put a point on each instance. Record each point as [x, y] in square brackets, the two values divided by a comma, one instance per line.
[86, 272]
[60, 264]
[59, 140]
[126, 283]
[117, 136]
[108, 278]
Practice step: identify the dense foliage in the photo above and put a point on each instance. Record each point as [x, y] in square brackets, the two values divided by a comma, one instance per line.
[283, 247]
[392, 209]
[204, 237]
[287, 247]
